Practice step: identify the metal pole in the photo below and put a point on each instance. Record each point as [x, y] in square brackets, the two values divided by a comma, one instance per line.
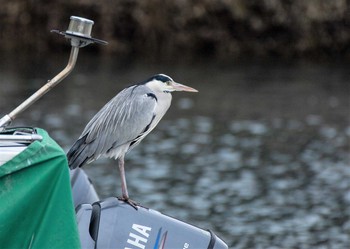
[79, 33]
[43, 90]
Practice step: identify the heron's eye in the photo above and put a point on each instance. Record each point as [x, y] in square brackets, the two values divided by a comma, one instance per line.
[168, 83]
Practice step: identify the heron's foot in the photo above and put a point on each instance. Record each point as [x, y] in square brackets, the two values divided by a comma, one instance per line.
[132, 203]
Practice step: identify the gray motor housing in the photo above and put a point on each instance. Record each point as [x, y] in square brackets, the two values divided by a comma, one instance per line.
[82, 189]
[114, 224]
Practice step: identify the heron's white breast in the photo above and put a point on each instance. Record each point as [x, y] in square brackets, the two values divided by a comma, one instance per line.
[162, 106]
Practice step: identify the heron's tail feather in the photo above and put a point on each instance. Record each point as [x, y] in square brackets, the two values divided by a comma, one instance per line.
[77, 154]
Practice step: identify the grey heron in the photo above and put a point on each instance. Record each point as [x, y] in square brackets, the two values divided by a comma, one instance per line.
[124, 122]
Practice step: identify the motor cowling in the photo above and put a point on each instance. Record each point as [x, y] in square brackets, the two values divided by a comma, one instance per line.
[112, 223]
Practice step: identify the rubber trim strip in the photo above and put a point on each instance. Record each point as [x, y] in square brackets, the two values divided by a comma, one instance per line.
[212, 240]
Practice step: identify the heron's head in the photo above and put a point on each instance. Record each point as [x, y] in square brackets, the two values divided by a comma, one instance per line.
[164, 83]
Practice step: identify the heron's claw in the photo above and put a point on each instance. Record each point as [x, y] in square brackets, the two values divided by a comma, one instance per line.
[132, 203]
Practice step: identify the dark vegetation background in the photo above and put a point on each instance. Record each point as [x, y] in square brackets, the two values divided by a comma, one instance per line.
[169, 30]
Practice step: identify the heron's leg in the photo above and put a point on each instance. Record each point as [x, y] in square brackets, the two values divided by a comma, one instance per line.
[125, 194]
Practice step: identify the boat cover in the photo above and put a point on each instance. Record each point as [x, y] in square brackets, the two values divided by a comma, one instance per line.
[36, 207]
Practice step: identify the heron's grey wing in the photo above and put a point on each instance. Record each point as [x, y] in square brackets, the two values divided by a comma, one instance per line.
[122, 120]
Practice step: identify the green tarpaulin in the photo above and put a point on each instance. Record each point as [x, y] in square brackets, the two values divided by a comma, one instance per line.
[36, 207]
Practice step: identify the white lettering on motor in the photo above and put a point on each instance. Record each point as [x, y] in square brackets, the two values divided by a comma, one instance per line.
[138, 238]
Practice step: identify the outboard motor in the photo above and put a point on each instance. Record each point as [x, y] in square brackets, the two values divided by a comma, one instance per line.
[114, 224]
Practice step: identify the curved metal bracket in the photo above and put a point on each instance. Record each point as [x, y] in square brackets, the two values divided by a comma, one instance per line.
[78, 32]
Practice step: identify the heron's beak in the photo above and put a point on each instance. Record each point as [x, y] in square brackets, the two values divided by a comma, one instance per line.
[181, 87]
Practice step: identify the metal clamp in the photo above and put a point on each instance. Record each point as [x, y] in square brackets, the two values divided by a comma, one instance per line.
[79, 32]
